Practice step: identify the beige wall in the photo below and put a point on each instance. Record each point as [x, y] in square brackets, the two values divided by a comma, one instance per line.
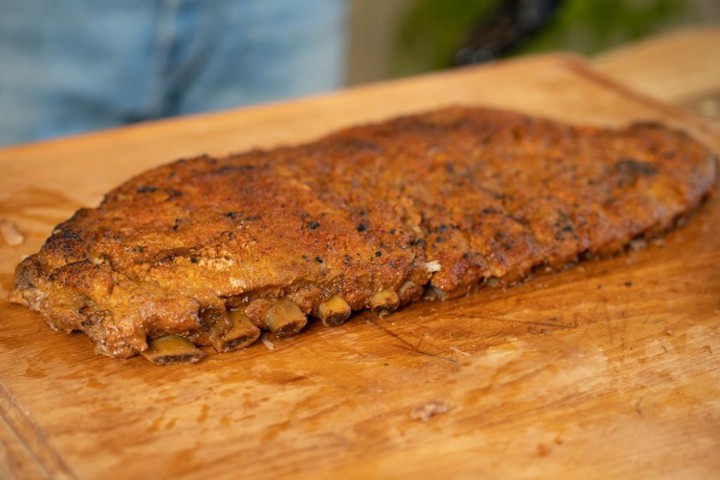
[373, 26]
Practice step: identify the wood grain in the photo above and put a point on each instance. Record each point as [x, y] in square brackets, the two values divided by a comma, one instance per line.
[611, 368]
[680, 67]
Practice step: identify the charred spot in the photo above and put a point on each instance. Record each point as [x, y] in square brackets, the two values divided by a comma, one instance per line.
[234, 215]
[233, 169]
[392, 231]
[519, 220]
[611, 202]
[176, 225]
[361, 227]
[146, 189]
[69, 234]
[563, 226]
[193, 260]
[225, 169]
[649, 124]
[65, 239]
[167, 259]
[356, 145]
[378, 253]
[89, 322]
[559, 234]
[503, 239]
[313, 225]
[319, 259]
[629, 170]
[444, 228]
[173, 194]
[634, 167]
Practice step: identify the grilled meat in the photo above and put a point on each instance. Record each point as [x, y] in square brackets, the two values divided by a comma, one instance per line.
[210, 251]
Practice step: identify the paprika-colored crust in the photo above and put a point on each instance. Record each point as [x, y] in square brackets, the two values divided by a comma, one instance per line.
[437, 203]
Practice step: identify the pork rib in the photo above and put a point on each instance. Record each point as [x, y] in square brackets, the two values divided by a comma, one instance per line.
[210, 251]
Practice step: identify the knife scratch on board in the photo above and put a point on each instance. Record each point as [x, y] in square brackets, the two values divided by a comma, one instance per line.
[409, 346]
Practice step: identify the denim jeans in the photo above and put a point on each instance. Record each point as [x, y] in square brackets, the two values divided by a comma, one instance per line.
[69, 66]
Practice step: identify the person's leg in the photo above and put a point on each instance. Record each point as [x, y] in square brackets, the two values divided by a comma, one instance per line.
[68, 67]
[252, 51]
[71, 66]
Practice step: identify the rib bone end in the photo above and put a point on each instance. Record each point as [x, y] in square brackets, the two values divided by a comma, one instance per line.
[241, 333]
[334, 311]
[384, 301]
[172, 349]
[285, 319]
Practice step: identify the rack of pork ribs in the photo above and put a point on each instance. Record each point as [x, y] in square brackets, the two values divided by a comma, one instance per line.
[212, 252]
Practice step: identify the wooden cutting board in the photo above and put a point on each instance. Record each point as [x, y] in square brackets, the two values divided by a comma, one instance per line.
[611, 368]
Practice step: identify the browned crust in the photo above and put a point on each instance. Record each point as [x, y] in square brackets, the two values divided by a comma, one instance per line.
[488, 194]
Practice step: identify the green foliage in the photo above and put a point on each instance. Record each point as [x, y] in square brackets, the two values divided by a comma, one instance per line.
[589, 26]
[434, 29]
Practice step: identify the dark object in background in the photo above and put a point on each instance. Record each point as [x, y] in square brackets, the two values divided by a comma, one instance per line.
[433, 31]
[509, 26]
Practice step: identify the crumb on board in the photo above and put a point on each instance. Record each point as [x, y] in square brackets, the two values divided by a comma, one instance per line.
[10, 233]
[543, 450]
[457, 350]
[637, 244]
[428, 410]
[266, 341]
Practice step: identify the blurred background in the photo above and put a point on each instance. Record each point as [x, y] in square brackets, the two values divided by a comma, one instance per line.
[73, 66]
[390, 38]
